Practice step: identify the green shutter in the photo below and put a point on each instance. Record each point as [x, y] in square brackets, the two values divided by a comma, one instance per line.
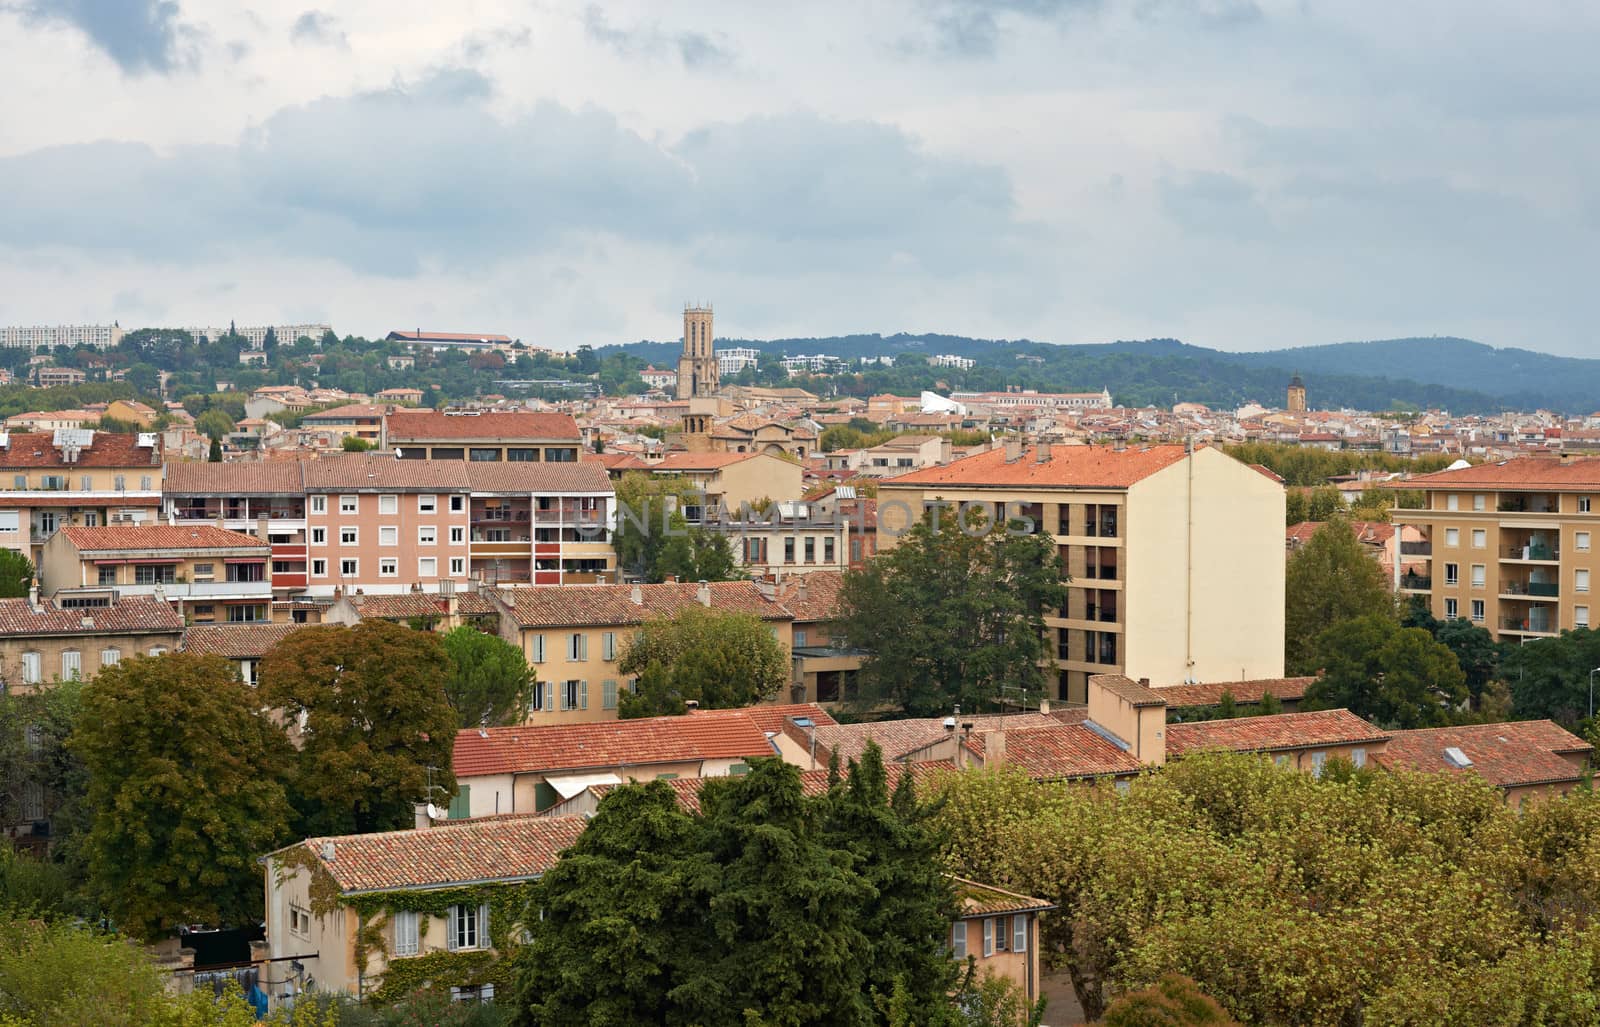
[461, 805]
[544, 796]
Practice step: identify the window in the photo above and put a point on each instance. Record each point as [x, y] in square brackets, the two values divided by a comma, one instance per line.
[388, 567]
[1477, 610]
[349, 568]
[299, 922]
[319, 504]
[1358, 757]
[522, 456]
[389, 536]
[1452, 574]
[1019, 933]
[799, 638]
[30, 668]
[788, 550]
[319, 536]
[827, 550]
[1580, 616]
[1478, 575]
[574, 695]
[468, 927]
[608, 645]
[144, 482]
[1451, 609]
[458, 536]
[428, 566]
[811, 550]
[427, 504]
[1583, 504]
[1479, 502]
[958, 939]
[1318, 761]
[483, 454]
[246, 614]
[107, 576]
[204, 609]
[536, 647]
[458, 504]
[406, 939]
[458, 566]
[608, 695]
[427, 535]
[71, 665]
[319, 568]
[110, 657]
[1581, 580]
[1452, 502]
[10, 520]
[158, 650]
[561, 456]
[577, 647]
[349, 536]
[542, 691]
[988, 936]
[389, 504]
[120, 483]
[349, 504]
[205, 570]
[1480, 538]
[164, 574]
[1581, 540]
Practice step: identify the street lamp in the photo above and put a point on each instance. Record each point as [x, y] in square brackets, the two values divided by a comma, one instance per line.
[1592, 673]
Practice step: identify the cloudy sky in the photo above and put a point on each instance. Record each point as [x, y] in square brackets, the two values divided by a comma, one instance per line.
[1243, 174]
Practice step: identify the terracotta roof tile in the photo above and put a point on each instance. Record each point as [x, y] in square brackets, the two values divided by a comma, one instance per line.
[711, 734]
[383, 471]
[770, 718]
[541, 606]
[511, 426]
[108, 449]
[1074, 466]
[700, 461]
[898, 738]
[527, 478]
[372, 411]
[490, 849]
[159, 536]
[265, 478]
[236, 641]
[821, 602]
[1124, 687]
[398, 606]
[1527, 473]
[1292, 689]
[1063, 751]
[129, 615]
[986, 900]
[1509, 755]
[1278, 731]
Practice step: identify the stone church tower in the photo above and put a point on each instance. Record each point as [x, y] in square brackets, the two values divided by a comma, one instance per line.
[697, 368]
[1296, 399]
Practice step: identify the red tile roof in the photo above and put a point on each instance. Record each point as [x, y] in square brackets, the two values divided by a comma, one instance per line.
[236, 641]
[1067, 466]
[711, 734]
[1510, 755]
[475, 851]
[129, 615]
[507, 426]
[821, 601]
[700, 461]
[398, 605]
[546, 606]
[528, 478]
[1123, 687]
[1291, 689]
[383, 471]
[770, 718]
[366, 411]
[239, 478]
[1271, 733]
[160, 536]
[108, 449]
[898, 738]
[1373, 533]
[978, 900]
[1534, 474]
[1062, 751]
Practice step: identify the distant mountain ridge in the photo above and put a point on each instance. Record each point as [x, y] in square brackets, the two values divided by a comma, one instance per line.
[1460, 375]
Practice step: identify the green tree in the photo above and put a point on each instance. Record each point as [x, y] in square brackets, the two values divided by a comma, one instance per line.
[354, 444]
[698, 554]
[720, 659]
[214, 454]
[184, 778]
[1549, 677]
[1328, 580]
[34, 730]
[653, 539]
[1398, 677]
[1173, 1001]
[375, 718]
[1296, 506]
[1475, 652]
[953, 614]
[214, 423]
[16, 573]
[489, 682]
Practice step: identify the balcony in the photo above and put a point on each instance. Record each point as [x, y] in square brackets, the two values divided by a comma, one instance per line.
[1416, 583]
[1416, 549]
[1528, 625]
[1533, 552]
[1530, 590]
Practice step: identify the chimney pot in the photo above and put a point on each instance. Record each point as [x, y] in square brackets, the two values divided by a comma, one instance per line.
[328, 852]
[637, 595]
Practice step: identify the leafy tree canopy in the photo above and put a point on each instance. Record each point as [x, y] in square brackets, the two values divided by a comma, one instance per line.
[1398, 677]
[721, 659]
[16, 573]
[489, 682]
[1328, 580]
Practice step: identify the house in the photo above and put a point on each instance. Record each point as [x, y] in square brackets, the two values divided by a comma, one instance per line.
[404, 396]
[51, 420]
[824, 666]
[131, 411]
[999, 931]
[731, 480]
[790, 537]
[84, 477]
[1182, 698]
[42, 641]
[1149, 537]
[657, 378]
[1525, 759]
[243, 645]
[529, 769]
[361, 420]
[902, 454]
[50, 377]
[207, 573]
[347, 909]
[483, 436]
[575, 635]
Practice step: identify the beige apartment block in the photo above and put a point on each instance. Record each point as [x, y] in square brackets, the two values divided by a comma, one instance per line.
[730, 480]
[207, 573]
[1175, 559]
[52, 479]
[41, 641]
[1509, 546]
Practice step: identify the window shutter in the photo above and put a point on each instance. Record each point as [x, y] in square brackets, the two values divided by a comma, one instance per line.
[483, 926]
[453, 928]
[608, 695]
[564, 695]
[550, 698]
[583, 647]
[583, 695]
[988, 936]
[538, 648]
[1019, 933]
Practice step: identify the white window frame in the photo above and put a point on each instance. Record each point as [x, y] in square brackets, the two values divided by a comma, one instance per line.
[319, 504]
[32, 667]
[1480, 538]
[349, 504]
[958, 940]
[536, 644]
[608, 694]
[1583, 504]
[1319, 762]
[354, 569]
[1580, 580]
[319, 536]
[1452, 502]
[319, 568]
[1580, 616]
[407, 936]
[458, 503]
[1480, 501]
[349, 535]
[458, 566]
[110, 657]
[1581, 541]
[1452, 537]
[1452, 574]
[1480, 575]
[608, 645]
[1019, 933]
[988, 936]
[71, 665]
[1358, 757]
[388, 535]
[388, 504]
[1452, 609]
[1478, 611]
[427, 504]
[388, 566]
[427, 535]
[467, 928]
[458, 535]
[577, 647]
[428, 566]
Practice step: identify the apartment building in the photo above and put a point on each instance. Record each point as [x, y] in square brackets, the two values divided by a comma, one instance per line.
[266, 499]
[1509, 546]
[730, 480]
[791, 537]
[38, 337]
[575, 635]
[540, 523]
[1174, 560]
[74, 477]
[42, 641]
[209, 574]
[359, 420]
[902, 454]
[483, 436]
[51, 377]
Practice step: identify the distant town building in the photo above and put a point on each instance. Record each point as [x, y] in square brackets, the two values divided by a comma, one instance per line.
[1297, 396]
[38, 337]
[256, 335]
[698, 375]
[52, 376]
[440, 341]
[735, 359]
[815, 363]
[657, 378]
[950, 360]
[1028, 398]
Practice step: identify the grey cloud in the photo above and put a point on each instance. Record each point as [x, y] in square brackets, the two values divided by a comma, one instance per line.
[428, 177]
[697, 50]
[319, 27]
[974, 28]
[139, 35]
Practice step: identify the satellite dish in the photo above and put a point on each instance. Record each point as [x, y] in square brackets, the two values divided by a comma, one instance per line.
[434, 812]
[399, 454]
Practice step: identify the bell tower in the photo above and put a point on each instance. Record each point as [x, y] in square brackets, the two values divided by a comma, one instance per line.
[697, 367]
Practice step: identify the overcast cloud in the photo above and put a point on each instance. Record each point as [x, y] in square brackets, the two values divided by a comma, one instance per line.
[1236, 173]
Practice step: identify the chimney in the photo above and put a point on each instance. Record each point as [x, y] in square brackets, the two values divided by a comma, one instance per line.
[87, 622]
[1044, 706]
[703, 593]
[994, 748]
[420, 820]
[691, 705]
[800, 589]
[637, 595]
[1041, 453]
[1013, 450]
[33, 598]
[327, 852]
[261, 528]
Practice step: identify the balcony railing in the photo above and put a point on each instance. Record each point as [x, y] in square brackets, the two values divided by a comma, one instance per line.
[1532, 551]
[1541, 625]
[1416, 582]
[1542, 589]
[1416, 549]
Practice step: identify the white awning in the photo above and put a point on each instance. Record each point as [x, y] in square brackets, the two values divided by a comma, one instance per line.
[571, 785]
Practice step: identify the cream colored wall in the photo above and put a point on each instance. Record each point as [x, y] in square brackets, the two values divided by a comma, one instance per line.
[89, 648]
[1228, 625]
[761, 477]
[1022, 969]
[332, 937]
